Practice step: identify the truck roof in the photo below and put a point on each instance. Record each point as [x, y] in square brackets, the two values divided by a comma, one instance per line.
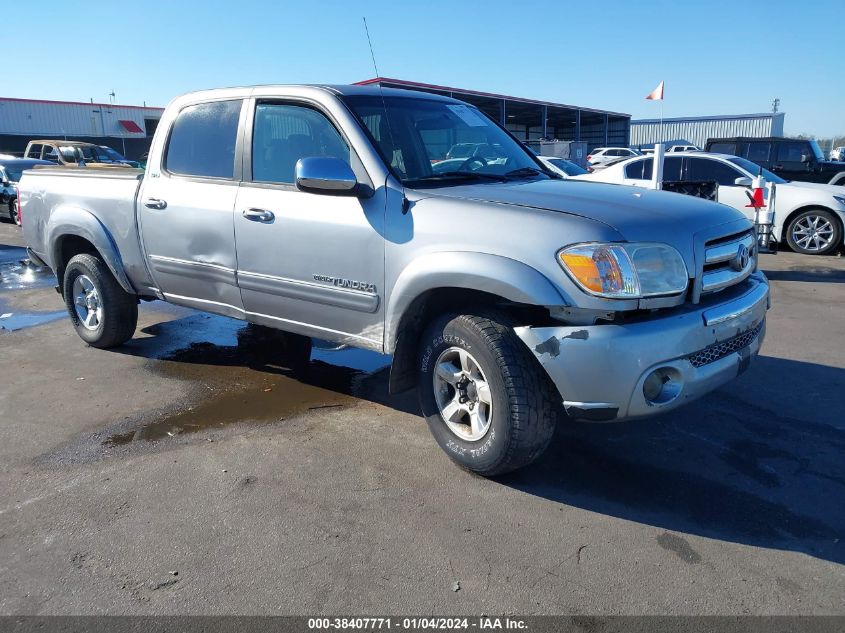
[63, 142]
[337, 89]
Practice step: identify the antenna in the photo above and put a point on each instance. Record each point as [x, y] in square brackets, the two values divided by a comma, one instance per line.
[384, 105]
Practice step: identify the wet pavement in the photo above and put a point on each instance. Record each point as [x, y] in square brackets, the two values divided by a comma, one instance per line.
[16, 274]
[280, 480]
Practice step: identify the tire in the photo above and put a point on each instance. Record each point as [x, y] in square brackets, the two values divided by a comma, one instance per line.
[88, 280]
[814, 232]
[14, 216]
[515, 424]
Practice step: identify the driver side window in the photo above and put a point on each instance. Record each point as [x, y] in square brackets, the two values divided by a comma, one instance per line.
[282, 134]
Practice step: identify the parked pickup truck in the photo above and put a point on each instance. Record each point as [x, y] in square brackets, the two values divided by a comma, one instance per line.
[508, 297]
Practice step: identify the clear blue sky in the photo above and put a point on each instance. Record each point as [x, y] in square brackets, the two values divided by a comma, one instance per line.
[715, 56]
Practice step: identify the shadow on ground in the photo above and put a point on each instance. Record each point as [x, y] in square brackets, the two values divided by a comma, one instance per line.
[760, 462]
[728, 467]
[816, 274]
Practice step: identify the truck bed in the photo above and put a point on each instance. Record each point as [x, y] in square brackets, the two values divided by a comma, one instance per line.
[108, 197]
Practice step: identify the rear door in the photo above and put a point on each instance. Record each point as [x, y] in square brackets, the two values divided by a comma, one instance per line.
[186, 211]
[307, 263]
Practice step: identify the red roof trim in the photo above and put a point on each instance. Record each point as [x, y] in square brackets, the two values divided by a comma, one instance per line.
[478, 93]
[82, 103]
[130, 126]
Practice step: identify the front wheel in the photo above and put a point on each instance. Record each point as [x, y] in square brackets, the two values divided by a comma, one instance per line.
[487, 402]
[814, 232]
[13, 211]
[103, 313]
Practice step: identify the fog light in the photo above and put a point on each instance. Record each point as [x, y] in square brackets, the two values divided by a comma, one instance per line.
[653, 385]
[662, 385]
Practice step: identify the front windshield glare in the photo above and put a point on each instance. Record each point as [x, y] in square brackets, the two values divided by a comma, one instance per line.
[754, 169]
[431, 141]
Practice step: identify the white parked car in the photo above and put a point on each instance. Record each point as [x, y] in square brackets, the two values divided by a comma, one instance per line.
[562, 167]
[837, 153]
[809, 216]
[601, 155]
[682, 148]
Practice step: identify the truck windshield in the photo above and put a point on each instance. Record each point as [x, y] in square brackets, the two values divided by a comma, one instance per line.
[429, 141]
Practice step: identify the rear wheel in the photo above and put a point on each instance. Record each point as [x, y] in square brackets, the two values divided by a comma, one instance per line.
[103, 313]
[486, 401]
[814, 232]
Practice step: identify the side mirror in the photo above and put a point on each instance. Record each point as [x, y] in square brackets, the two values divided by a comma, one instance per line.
[325, 175]
[805, 158]
[743, 181]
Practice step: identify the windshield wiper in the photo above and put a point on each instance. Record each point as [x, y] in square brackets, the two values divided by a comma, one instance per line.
[523, 172]
[460, 175]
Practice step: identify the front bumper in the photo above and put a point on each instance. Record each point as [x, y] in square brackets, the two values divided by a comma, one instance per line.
[601, 370]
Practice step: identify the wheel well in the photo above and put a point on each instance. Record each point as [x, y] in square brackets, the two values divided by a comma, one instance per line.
[811, 207]
[70, 246]
[433, 303]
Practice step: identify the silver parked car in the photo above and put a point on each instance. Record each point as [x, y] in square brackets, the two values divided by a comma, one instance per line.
[509, 297]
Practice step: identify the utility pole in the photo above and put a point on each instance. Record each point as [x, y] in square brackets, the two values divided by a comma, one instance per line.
[775, 105]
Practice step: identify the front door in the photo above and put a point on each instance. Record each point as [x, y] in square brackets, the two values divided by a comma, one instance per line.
[307, 263]
[729, 193]
[186, 210]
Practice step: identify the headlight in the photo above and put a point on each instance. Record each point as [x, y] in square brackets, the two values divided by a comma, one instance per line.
[625, 271]
[840, 199]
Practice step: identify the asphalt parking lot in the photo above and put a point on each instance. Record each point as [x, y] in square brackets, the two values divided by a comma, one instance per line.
[191, 472]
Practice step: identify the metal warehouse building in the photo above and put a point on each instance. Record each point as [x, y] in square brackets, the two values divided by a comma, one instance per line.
[126, 128]
[129, 129]
[696, 130]
[530, 119]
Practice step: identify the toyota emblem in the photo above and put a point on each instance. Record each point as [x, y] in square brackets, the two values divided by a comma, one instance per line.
[743, 256]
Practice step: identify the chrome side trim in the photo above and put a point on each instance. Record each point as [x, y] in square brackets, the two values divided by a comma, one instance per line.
[306, 291]
[197, 270]
[238, 312]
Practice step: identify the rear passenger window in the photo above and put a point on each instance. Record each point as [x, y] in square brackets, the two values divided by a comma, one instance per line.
[672, 168]
[202, 141]
[758, 152]
[723, 148]
[282, 134]
[706, 169]
[639, 169]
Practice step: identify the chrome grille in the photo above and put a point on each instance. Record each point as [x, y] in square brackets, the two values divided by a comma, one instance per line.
[723, 261]
[712, 353]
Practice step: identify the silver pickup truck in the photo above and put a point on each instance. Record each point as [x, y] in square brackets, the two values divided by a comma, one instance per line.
[508, 297]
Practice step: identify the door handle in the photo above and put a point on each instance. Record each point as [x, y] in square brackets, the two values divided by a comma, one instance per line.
[777, 167]
[259, 215]
[155, 203]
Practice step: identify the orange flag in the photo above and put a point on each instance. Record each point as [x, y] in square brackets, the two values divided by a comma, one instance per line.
[657, 93]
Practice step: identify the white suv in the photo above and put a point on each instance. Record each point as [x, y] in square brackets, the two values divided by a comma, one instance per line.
[601, 155]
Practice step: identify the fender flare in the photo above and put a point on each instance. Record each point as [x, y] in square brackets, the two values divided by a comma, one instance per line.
[501, 276]
[70, 220]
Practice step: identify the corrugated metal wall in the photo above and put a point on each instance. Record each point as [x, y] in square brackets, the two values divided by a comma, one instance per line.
[60, 119]
[697, 130]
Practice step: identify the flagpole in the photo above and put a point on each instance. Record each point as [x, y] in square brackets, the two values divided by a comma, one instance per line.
[661, 119]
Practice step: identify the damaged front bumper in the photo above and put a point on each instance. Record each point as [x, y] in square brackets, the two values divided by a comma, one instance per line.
[628, 370]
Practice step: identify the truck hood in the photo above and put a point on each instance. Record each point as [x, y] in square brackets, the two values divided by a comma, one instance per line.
[636, 214]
